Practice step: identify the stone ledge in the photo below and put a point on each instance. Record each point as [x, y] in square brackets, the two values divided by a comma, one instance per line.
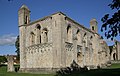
[115, 61]
[39, 70]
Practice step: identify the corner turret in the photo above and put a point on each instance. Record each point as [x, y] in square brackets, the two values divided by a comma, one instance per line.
[93, 25]
[23, 15]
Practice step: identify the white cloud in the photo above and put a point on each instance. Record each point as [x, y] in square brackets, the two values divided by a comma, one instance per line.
[8, 39]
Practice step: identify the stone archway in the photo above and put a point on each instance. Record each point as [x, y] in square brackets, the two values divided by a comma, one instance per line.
[79, 58]
[114, 56]
[69, 33]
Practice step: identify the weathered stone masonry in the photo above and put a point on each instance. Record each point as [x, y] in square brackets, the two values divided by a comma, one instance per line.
[53, 42]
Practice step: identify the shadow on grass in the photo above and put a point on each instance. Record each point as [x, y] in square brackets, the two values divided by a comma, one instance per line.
[76, 70]
[95, 72]
[103, 72]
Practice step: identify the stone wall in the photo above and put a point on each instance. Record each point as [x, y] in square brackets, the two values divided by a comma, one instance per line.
[81, 37]
[118, 49]
[69, 54]
[115, 51]
[56, 41]
[39, 56]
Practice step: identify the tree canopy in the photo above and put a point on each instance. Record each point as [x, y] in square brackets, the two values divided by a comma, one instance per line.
[3, 59]
[111, 25]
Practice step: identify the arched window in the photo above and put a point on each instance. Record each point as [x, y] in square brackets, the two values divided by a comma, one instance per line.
[85, 40]
[26, 20]
[69, 34]
[79, 57]
[93, 28]
[38, 26]
[32, 38]
[45, 35]
[38, 34]
[91, 40]
[78, 37]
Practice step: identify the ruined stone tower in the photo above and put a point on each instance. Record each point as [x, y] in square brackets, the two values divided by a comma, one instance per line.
[24, 18]
[93, 25]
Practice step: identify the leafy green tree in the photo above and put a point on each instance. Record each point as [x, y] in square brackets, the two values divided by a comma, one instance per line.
[17, 47]
[3, 59]
[111, 25]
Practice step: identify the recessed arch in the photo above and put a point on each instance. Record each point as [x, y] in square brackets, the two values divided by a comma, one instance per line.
[68, 27]
[91, 37]
[45, 29]
[93, 28]
[31, 33]
[32, 38]
[78, 34]
[77, 31]
[45, 35]
[38, 26]
[79, 57]
[85, 39]
[114, 56]
[38, 33]
[69, 33]
[84, 34]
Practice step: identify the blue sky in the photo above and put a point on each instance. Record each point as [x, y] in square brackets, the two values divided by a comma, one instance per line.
[81, 11]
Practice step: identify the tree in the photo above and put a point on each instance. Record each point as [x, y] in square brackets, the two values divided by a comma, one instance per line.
[3, 59]
[17, 47]
[111, 25]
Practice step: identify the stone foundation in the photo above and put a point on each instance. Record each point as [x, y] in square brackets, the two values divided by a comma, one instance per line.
[115, 61]
[39, 70]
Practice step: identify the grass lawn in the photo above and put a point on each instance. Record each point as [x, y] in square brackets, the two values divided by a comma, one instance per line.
[113, 70]
[115, 66]
[3, 72]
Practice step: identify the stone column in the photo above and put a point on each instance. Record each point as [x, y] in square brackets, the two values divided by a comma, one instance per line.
[118, 49]
[10, 65]
[83, 49]
[91, 55]
[75, 48]
[37, 39]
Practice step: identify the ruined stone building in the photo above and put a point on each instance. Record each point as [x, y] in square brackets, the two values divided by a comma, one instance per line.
[115, 51]
[53, 42]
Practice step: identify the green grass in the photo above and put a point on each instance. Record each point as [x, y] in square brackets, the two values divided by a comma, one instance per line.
[3, 72]
[113, 70]
[115, 66]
